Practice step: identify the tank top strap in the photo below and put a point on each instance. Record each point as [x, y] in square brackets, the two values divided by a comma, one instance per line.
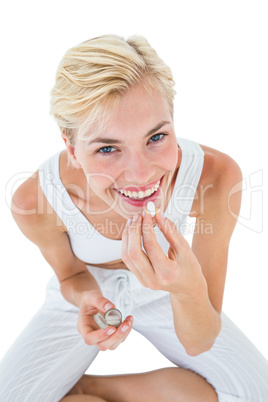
[190, 147]
[54, 189]
[190, 170]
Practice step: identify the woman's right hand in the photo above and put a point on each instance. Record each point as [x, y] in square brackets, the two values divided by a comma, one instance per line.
[93, 302]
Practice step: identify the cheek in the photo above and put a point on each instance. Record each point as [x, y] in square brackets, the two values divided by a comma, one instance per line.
[168, 160]
[99, 176]
[100, 182]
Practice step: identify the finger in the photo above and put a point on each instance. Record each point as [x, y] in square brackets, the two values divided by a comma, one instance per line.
[135, 252]
[119, 336]
[170, 231]
[90, 331]
[125, 255]
[94, 337]
[151, 245]
[114, 346]
[94, 301]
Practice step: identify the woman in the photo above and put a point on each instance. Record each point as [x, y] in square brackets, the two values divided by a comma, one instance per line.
[113, 101]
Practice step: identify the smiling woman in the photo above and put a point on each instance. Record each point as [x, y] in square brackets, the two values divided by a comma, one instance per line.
[143, 141]
[119, 93]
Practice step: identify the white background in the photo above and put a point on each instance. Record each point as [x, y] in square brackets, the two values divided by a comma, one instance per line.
[218, 55]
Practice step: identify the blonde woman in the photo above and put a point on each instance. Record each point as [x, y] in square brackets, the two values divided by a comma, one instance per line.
[85, 208]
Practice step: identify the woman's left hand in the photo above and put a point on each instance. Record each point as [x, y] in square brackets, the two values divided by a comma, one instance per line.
[179, 272]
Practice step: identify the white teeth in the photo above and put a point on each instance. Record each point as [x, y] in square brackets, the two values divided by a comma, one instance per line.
[148, 192]
[140, 194]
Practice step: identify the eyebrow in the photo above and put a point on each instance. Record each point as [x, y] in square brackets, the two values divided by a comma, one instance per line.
[105, 140]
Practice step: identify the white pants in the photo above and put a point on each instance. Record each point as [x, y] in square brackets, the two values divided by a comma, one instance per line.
[50, 356]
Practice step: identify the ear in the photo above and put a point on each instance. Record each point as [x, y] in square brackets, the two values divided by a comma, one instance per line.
[70, 150]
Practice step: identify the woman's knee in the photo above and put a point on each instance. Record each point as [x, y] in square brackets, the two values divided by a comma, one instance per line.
[182, 384]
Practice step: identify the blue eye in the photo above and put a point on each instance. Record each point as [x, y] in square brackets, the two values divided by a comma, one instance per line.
[107, 150]
[157, 135]
[104, 150]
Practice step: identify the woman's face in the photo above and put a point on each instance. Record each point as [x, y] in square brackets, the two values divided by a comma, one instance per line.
[136, 150]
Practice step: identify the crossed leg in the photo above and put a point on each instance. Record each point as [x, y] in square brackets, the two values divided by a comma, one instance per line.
[169, 384]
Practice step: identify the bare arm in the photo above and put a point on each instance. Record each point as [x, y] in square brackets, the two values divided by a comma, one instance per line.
[43, 229]
[39, 223]
[197, 318]
[194, 277]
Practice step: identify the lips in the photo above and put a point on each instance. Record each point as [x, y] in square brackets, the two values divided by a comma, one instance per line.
[137, 189]
[140, 202]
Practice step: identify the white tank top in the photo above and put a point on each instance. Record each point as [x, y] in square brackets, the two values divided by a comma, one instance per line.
[91, 246]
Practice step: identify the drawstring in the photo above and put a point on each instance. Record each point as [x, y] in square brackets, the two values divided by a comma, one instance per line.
[121, 286]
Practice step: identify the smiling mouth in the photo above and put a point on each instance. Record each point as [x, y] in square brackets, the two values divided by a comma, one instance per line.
[140, 195]
[138, 198]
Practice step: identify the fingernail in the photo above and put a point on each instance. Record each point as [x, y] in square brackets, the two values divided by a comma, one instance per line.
[108, 306]
[124, 328]
[129, 221]
[145, 212]
[135, 218]
[111, 331]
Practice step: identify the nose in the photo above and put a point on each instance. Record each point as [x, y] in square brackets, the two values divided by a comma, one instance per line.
[139, 169]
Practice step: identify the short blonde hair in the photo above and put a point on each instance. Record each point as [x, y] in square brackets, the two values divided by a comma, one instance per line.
[94, 74]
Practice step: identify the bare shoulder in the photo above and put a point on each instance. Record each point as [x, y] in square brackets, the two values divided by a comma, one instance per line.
[219, 167]
[41, 225]
[220, 174]
[31, 209]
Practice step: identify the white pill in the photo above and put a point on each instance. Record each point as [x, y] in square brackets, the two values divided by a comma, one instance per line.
[151, 208]
[113, 317]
